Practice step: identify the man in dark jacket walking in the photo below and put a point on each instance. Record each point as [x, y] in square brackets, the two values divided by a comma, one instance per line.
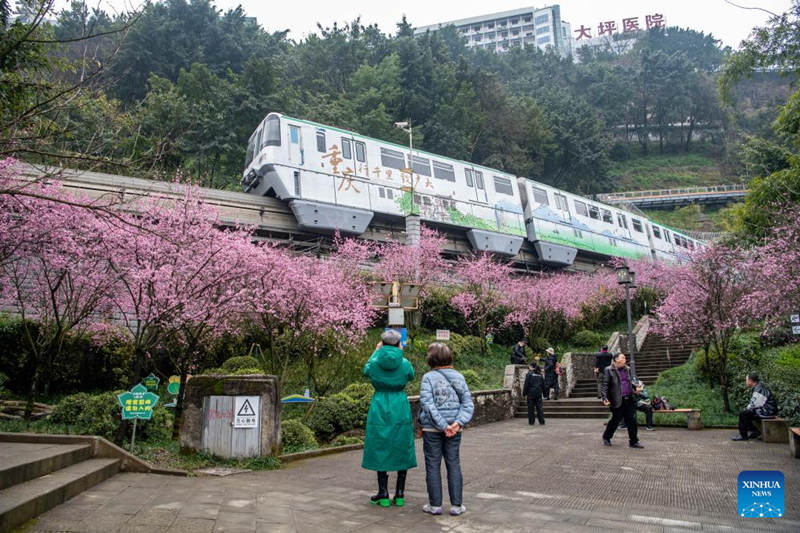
[619, 395]
[550, 376]
[518, 353]
[532, 389]
[601, 360]
[762, 405]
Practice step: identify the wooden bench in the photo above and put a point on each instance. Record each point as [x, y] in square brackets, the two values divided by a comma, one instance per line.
[693, 416]
[773, 429]
[794, 442]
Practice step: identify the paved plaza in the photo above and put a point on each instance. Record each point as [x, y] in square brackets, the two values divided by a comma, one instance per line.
[556, 477]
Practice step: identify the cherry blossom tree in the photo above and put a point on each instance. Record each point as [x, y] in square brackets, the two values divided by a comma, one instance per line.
[310, 308]
[707, 302]
[483, 281]
[53, 272]
[777, 267]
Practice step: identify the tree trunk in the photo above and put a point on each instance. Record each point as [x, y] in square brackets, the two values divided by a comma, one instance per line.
[689, 135]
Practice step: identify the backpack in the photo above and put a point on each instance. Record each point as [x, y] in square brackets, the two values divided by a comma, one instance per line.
[661, 404]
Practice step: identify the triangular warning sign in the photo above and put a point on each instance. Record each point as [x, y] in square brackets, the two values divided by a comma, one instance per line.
[246, 410]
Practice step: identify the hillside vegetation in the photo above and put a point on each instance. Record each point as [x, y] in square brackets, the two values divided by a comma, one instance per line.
[669, 170]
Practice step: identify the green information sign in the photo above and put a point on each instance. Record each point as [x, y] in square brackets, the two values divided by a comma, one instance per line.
[174, 385]
[151, 382]
[137, 403]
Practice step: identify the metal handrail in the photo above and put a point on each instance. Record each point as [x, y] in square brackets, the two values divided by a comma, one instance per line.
[740, 187]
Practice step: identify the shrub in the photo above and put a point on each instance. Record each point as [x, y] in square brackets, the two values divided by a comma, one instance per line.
[464, 345]
[240, 362]
[539, 345]
[338, 413]
[472, 378]
[588, 338]
[4, 392]
[296, 436]
[438, 313]
[99, 414]
[344, 440]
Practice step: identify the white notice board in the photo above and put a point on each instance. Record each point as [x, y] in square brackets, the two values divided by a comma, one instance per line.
[246, 411]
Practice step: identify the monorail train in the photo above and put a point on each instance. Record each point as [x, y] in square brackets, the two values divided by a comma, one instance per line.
[335, 179]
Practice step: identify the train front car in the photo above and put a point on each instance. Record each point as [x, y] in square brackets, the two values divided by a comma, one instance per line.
[336, 180]
[290, 159]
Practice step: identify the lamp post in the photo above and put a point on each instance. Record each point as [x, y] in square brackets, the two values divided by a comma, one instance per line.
[412, 219]
[627, 278]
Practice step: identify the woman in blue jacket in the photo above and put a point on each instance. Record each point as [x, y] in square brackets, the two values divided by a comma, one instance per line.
[446, 407]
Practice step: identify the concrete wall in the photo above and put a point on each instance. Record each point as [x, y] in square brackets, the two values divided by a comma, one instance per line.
[490, 406]
[197, 388]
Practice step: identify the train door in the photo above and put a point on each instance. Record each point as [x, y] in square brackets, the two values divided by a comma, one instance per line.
[296, 154]
[475, 181]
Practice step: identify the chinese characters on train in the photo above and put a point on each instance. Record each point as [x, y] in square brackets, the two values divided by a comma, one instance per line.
[333, 155]
[629, 25]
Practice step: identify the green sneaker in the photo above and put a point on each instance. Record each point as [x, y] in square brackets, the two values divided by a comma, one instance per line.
[378, 500]
[399, 501]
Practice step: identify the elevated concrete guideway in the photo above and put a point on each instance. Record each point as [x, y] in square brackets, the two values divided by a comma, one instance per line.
[552, 478]
[676, 197]
[273, 219]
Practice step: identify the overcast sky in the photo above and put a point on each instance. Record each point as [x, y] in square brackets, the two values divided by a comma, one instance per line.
[726, 22]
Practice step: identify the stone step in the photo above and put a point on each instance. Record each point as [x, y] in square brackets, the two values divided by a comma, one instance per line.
[21, 462]
[567, 403]
[566, 414]
[20, 503]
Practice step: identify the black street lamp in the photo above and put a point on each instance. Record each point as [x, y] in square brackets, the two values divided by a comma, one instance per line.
[627, 278]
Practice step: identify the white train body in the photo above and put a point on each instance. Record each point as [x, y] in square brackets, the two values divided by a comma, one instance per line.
[336, 180]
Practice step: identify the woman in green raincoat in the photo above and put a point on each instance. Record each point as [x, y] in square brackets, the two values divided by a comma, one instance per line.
[389, 442]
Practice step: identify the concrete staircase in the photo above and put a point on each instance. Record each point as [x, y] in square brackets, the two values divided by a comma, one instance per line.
[567, 408]
[37, 477]
[585, 388]
[657, 355]
[654, 356]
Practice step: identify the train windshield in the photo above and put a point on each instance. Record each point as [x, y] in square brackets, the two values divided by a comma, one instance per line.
[272, 132]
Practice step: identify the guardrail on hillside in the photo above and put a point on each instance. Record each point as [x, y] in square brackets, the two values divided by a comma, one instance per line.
[666, 193]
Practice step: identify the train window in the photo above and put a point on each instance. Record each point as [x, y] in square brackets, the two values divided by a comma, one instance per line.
[321, 141]
[666, 237]
[622, 221]
[691, 244]
[468, 176]
[540, 196]
[561, 202]
[607, 216]
[594, 212]
[390, 194]
[381, 192]
[417, 199]
[426, 200]
[361, 153]
[479, 179]
[656, 232]
[503, 186]
[421, 165]
[580, 208]
[347, 149]
[392, 159]
[250, 149]
[637, 225]
[273, 130]
[443, 171]
[294, 134]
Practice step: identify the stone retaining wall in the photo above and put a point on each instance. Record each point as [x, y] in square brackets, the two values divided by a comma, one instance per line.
[490, 406]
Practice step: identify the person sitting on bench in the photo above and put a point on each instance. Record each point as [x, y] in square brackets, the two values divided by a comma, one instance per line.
[762, 405]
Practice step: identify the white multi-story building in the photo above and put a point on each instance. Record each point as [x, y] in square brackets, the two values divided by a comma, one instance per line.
[525, 27]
